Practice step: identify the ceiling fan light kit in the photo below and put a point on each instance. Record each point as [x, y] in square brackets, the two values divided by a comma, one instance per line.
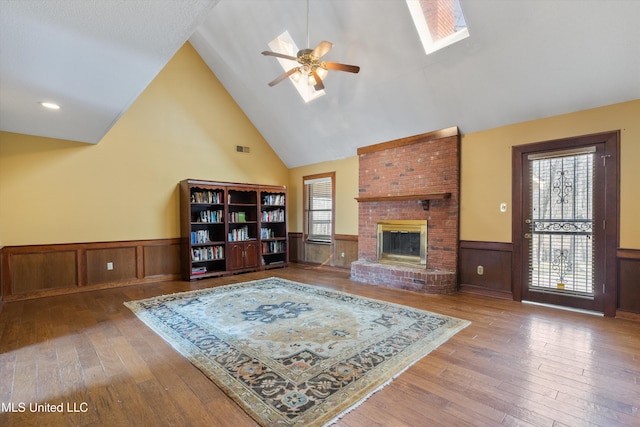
[311, 67]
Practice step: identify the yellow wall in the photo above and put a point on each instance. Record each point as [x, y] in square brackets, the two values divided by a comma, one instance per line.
[486, 173]
[486, 168]
[184, 125]
[346, 191]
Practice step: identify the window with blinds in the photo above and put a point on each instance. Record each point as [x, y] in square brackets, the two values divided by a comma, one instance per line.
[318, 207]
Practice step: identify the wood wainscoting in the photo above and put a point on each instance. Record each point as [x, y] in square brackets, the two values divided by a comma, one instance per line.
[496, 280]
[495, 262]
[341, 253]
[628, 282]
[42, 270]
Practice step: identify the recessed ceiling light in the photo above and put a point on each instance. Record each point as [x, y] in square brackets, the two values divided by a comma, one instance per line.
[50, 105]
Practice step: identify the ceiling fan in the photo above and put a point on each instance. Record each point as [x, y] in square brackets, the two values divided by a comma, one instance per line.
[311, 66]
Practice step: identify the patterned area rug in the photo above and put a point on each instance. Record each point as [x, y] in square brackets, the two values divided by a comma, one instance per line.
[292, 354]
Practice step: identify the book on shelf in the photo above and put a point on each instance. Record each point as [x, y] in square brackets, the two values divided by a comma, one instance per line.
[239, 234]
[273, 199]
[237, 216]
[266, 233]
[211, 197]
[198, 270]
[273, 216]
[210, 216]
[199, 237]
[211, 253]
[273, 247]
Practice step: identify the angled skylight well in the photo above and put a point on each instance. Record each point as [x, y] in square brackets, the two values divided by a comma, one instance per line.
[440, 23]
[285, 44]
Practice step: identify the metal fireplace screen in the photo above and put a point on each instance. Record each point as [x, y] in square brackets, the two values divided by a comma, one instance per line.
[402, 241]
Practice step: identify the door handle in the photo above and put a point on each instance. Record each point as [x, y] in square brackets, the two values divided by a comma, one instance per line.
[527, 235]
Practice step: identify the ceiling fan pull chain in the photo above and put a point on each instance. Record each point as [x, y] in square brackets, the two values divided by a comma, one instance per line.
[308, 45]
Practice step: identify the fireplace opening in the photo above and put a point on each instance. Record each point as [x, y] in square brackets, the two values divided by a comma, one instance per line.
[402, 241]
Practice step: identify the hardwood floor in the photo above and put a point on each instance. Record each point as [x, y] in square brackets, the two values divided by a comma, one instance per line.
[516, 364]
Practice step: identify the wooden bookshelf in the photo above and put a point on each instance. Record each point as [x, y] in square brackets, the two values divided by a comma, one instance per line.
[273, 227]
[230, 228]
[203, 213]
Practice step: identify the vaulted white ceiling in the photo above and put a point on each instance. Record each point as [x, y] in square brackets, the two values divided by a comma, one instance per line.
[93, 57]
[524, 60]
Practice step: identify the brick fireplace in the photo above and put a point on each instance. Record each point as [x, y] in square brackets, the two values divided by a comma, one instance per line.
[414, 178]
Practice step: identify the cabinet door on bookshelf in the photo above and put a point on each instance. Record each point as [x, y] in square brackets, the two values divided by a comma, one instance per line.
[251, 254]
[236, 256]
[242, 255]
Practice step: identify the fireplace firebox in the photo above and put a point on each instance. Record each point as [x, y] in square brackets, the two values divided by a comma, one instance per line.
[402, 241]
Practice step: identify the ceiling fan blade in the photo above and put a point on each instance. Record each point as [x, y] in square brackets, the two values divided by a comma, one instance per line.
[322, 49]
[319, 85]
[283, 76]
[340, 67]
[279, 55]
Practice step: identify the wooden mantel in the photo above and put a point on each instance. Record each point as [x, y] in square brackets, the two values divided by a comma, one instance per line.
[423, 198]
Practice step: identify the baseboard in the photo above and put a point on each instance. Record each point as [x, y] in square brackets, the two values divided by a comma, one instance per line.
[477, 290]
[58, 292]
[627, 315]
[317, 266]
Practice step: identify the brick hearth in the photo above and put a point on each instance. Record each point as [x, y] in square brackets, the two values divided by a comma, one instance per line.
[405, 277]
[417, 165]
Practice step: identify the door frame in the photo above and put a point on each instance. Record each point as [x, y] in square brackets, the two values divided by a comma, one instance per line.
[611, 141]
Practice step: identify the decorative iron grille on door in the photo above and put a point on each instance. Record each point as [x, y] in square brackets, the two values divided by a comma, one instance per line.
[561, 219]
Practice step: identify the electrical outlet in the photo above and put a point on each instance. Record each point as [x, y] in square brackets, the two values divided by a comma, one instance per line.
[503, 207]
[109, 266]
[480, 270]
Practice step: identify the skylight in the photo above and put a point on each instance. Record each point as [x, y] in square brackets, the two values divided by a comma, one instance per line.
[285, 44]
[440, 23]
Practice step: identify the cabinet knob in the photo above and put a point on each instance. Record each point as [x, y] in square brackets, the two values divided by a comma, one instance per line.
[527, 235]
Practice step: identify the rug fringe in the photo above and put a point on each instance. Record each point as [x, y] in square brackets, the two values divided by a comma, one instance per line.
[361, 401]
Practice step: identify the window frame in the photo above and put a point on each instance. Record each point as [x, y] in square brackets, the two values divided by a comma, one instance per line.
[420, 21]
[306, 211]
